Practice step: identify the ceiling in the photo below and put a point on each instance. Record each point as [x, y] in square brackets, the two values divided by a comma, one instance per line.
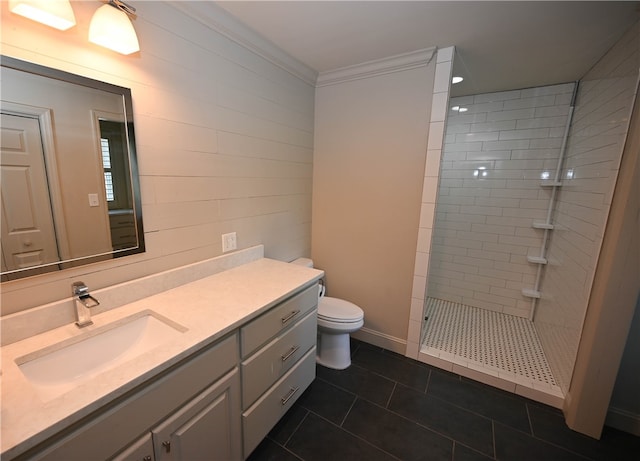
[500, 45]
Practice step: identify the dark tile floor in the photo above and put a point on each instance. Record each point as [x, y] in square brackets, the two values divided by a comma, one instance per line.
[388, 407]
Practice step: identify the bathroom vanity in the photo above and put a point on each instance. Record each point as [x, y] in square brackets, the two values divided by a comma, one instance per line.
[236, 350]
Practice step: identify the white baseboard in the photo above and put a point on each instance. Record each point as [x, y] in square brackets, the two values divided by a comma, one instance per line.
[379, 339]
[623, 420]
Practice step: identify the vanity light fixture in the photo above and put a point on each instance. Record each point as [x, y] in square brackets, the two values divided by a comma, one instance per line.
[111, 27]
[456, 79]
[53, 13]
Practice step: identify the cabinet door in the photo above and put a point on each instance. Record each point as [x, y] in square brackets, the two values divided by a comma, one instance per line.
[140, 450]
[206, 428]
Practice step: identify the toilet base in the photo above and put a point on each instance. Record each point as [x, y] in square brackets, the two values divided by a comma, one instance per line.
[334, 350]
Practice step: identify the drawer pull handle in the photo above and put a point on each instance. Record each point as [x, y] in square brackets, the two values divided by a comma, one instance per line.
[290, 394]
[167, 445]
[147, 458]
[290, 316]
[292, 351]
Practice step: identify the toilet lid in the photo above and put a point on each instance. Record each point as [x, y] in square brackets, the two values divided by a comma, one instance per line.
[339, 310]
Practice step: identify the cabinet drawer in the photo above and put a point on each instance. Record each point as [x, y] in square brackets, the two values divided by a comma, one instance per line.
[267, 365]
[265, 327]
[123, 234]
[260, 418]
[121, 219]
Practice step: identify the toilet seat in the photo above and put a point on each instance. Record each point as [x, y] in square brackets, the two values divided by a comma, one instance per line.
[339, 311]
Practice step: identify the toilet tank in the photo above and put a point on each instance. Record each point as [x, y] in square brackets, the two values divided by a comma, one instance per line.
[309, 263]
[303, 262]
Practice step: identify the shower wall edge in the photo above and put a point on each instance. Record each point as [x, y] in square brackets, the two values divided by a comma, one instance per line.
[435, 144]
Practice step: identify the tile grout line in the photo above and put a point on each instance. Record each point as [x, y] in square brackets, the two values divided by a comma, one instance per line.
[353, 434]
[355, 398]
[296, 429]
[393, 390]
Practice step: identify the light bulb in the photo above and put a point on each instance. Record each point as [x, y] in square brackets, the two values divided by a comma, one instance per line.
[111, 28]
[53, 13]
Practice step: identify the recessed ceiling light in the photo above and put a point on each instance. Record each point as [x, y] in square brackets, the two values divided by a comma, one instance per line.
[456, 79]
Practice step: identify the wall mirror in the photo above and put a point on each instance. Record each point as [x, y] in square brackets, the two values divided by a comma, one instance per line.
[70, 192]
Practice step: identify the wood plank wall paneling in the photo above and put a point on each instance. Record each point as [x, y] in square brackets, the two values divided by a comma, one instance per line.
[224, 140]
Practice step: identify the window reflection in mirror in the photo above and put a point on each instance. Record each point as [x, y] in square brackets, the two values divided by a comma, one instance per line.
[117, 183]
[69, 187]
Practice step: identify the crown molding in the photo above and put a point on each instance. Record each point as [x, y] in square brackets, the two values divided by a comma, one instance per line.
[218, 19]
[397, 63]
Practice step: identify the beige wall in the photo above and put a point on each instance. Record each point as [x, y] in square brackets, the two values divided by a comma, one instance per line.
[370, 150]
[224, 141]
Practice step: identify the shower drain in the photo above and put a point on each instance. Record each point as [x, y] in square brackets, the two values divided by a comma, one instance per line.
[492, 339]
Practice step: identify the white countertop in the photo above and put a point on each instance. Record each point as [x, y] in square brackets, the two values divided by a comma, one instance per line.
[208, 308]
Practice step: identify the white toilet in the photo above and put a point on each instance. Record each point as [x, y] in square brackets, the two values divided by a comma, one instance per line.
[336, 319]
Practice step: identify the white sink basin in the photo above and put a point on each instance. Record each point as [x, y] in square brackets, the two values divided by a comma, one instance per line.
[61, 367]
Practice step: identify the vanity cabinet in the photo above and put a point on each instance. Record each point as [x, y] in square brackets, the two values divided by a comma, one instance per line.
[279, 363]
[140, 450]
[216, 404]
[205, 428]
[123, 230]
[202, 388]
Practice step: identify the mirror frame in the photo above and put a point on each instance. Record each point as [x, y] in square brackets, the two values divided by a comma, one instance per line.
[125, 93]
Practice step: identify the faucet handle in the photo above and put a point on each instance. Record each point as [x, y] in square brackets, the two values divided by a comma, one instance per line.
[81, 292]
[79, 289]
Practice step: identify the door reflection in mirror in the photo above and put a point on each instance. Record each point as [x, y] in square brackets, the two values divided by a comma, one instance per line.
[28, 231]
[87, 171]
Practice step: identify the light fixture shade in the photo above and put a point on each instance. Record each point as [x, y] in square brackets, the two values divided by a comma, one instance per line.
[111, 28]
[53, 13]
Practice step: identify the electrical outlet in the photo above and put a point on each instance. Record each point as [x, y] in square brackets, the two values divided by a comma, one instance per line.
[229, 242]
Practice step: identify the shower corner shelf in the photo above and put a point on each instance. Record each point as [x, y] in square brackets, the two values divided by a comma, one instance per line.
[542, 225]
[550, 183]
[531, 293]
[537, 259]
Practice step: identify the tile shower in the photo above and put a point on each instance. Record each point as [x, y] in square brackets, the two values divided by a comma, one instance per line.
[499, 153]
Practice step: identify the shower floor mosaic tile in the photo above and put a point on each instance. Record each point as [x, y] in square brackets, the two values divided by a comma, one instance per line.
[501, 345]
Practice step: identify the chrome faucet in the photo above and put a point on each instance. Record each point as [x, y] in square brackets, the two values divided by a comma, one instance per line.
[84, 301]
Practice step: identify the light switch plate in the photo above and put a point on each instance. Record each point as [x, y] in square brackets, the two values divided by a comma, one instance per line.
[93, 200]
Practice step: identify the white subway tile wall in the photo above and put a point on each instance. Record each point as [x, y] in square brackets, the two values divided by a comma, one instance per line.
[497, 149]
[596, 143]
